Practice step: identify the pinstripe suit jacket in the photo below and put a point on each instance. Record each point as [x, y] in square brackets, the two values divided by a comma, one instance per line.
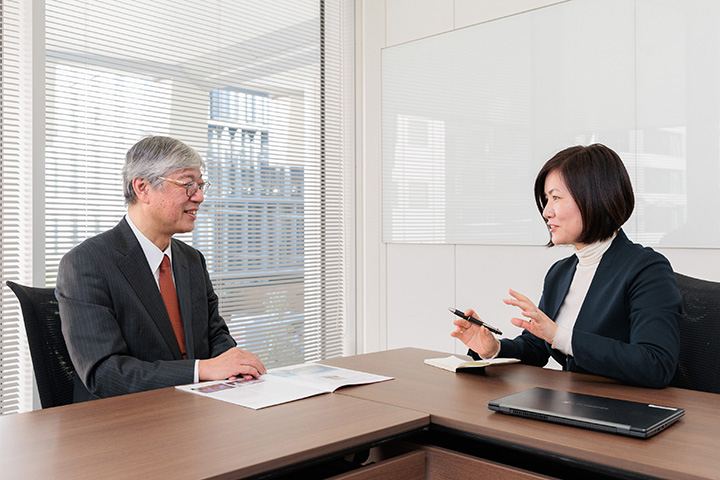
[114, 321]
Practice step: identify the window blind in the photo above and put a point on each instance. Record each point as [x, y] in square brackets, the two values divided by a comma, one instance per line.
[260, 89]
[16, 205]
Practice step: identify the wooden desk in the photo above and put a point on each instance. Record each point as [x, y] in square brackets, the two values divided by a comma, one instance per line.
[457, 403]
[172, 434]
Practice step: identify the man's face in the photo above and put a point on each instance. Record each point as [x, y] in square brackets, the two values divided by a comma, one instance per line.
[172, 211]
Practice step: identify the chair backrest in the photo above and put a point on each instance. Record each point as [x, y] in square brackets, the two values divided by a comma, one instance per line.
[699, 365]
[54, 371]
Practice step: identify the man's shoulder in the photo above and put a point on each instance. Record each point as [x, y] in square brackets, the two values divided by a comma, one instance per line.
[184, 248]
[190, 253]
[102, 244]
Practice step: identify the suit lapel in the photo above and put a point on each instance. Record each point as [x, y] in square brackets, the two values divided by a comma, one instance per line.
[553, 306]
[182, 285]
[603, 277]
[563, 285]
[133, 264]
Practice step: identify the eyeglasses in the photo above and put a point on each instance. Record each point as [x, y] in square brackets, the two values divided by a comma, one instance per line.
[190, 187]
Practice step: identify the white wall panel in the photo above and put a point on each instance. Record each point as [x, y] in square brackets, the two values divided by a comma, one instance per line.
[421, 285]
[469, 12]
[471, 115]
[485, 274]
[370, 309]
[482, 274]
[412, 19]
[695, 262]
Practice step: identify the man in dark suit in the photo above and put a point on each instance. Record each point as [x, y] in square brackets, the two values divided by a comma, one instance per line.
[138, 309]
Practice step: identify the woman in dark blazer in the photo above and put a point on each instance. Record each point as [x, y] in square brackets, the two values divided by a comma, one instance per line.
[612, 308]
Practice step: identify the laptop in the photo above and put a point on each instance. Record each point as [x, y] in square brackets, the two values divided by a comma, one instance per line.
[589, 411]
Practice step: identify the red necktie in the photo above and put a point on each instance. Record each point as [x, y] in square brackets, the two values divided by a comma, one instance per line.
[167, 290]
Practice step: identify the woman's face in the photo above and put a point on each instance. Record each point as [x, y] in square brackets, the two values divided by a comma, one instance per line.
[561, 212]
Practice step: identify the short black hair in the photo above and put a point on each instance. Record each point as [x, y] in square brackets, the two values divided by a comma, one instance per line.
[598, 182]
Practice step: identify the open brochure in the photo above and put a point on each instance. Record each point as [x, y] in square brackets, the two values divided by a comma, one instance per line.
[281, 385]
[455, 364]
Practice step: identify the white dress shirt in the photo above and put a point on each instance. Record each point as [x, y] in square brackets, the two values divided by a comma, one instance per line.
[154, 258]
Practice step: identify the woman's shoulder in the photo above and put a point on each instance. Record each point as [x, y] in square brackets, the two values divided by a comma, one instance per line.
[631, 252]
[623, 253]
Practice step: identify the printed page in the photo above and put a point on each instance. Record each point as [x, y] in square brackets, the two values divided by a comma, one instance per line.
[324, 377]
[281, 385]
[258, 393]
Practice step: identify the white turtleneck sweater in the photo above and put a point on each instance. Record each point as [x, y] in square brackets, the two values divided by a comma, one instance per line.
[588, 260]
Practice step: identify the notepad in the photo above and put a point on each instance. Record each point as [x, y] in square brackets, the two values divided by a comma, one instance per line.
[458, 365]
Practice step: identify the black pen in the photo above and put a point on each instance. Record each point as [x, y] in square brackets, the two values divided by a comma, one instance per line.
[474, 320]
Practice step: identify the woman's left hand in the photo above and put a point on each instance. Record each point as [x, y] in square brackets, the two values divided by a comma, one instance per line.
[538, 323]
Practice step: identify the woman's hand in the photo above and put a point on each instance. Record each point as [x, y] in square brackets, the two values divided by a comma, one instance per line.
[538, 324]
[478, 339]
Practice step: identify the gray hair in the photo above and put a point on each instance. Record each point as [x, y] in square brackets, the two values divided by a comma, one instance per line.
[154, 157]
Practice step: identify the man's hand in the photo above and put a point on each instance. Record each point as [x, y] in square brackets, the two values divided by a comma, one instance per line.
[232, 364]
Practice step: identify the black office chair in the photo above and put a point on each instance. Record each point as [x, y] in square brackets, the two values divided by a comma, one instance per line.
[699, 365]
[54, 372]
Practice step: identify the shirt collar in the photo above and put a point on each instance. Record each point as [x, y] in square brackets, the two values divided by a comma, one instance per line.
[152, 253]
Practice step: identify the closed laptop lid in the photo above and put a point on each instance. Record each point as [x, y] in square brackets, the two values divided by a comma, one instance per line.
[589, 411]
